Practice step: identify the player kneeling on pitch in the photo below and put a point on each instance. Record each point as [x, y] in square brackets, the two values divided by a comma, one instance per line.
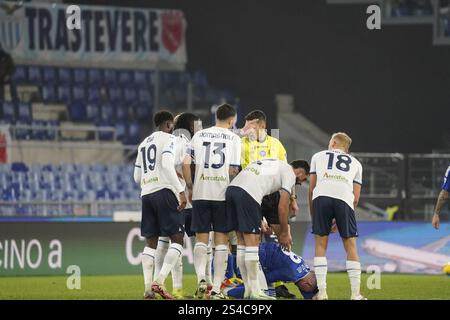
[334, 190]
[244, 197]
[281, 265]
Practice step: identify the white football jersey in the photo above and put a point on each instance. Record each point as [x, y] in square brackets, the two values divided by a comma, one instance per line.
[154, 175]
[213, 151]
[265, 177]
[336, 173]
[182, 143]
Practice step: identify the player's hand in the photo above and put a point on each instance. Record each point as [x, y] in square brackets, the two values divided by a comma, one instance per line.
[334, 226]
[285, 240]
[265, 228]
[182, 201]
[190, 194]
[248, 127]
[436, 221]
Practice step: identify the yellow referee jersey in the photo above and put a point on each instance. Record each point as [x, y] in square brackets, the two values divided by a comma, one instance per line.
[253, 150]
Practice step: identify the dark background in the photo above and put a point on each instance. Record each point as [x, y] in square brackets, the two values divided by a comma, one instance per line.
[389, 88]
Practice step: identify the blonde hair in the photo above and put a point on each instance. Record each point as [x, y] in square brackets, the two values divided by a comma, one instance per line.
[342, 139]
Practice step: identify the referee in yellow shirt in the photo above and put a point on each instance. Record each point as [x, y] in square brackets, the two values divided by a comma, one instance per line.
[257, 145]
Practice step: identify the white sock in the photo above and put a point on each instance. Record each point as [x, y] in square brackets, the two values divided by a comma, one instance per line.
[354, 274]
[172, 256]
[208, 270]
[220, 266]
[320, 269]
[262, 278]
[177, 274]
[161, 251]
[148, 260]
[252, 266]
[240, 261]
[200, 258]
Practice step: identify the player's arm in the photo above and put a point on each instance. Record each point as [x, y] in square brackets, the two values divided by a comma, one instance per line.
[187, 174]
[138, 168]
[233, 170]
[168, 165]
[312, 185]
[356, 193]
[441, 201]
[284, 238]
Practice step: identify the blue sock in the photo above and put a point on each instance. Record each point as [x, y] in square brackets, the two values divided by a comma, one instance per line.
[230, 270]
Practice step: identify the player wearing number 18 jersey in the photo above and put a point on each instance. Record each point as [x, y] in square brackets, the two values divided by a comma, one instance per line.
[162, 198]
[335, 186]
[216, 152]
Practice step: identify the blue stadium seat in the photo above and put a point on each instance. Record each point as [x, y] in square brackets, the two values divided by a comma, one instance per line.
[34, 75]
[121, 112]
[21, 74]
[93, 94]
[121, 131]
[144, 95]
[134, 133]
[48, 93]
[124, 77]
[140, 78]
[23, 134]
[78, 93]
[77, 111]
[130, 95]
[24, 111]
[114, 94]
[92, 112]
[105, 135]
[39, 133]
[8, 111]
[80, 76]
[19, 167]
[95, 77]
[64, 76]
[143, 111]
[200, 79]
[64, 95]
[107, 113]
[51, 134]
[110, 76]
[49, 75]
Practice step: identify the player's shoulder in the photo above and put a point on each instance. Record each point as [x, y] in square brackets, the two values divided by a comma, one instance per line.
[355, 160]
[319, 153]
[274, 140]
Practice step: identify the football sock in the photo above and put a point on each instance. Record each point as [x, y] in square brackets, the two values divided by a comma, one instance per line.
[230, 267]
[320, 269]
[240, 261]
[177, 274]
[262, 278]
[209, 267]
[161, 251]
[354, 274]
[172, 257]
[200, 260]
[148, 259]
[252, 266]
[220, 263]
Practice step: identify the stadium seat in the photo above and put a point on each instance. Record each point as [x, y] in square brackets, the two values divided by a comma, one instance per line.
[92, 112]
[93, 94]
[48, 93]
[21, 74]
[19, 167]
[34, 75]
[114, 94]
[124, 78]
[80, 76]
[107, 113]
[23, 134]
[64, 76]
[64, 95]
[130, 95]
[78, 93]
[77, 111]
[8, 111]
[121, 131]
[24, 111]
[38, 132]
[121, 112]
[51, 133]
[143, 110]
[134, 134]
[49, 75]
[140, 78]
[144, 95]
[110, 76]
[95, 77]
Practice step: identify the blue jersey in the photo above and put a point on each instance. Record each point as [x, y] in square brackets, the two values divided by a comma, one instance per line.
[280, 265]
[446, 184]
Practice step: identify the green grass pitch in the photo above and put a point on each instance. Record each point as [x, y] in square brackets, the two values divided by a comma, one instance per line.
[393, 286]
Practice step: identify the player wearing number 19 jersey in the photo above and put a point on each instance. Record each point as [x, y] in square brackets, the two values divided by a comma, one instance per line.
[216, 152]
[162, 198]
[335, 186]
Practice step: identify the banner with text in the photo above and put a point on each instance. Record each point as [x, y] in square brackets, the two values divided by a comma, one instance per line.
[107, 36]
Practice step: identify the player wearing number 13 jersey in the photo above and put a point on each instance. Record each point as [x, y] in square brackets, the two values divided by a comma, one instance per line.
[335, 186]
[216, 153]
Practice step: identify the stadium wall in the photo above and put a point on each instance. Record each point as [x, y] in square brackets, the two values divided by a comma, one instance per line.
[110, 248]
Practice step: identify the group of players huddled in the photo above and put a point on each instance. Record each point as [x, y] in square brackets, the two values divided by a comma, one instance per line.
[231, 188]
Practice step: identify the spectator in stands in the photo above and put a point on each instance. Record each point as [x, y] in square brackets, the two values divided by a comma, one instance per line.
[7, 69]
